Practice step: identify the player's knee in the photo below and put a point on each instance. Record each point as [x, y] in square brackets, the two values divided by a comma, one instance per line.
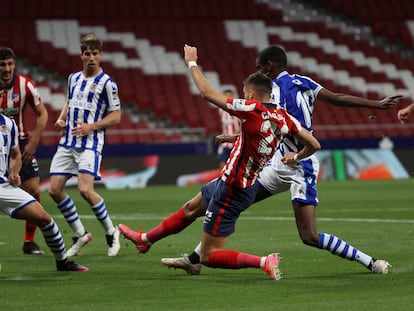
[193, 210]
[308, 238]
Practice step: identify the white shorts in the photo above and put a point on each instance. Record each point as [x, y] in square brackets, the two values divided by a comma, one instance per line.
[301, 178]
[13, 198]
[69, 161]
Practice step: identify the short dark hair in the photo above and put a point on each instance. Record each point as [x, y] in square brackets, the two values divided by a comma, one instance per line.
[274, 54]
[6, 53]
[91, 41]
[261, 82]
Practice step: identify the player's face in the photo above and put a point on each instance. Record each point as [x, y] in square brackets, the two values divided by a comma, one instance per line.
[91, 60]
[7, 68]
[263, 68]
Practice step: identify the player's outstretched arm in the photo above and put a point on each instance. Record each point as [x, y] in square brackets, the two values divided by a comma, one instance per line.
[204, 87]
[345, 100]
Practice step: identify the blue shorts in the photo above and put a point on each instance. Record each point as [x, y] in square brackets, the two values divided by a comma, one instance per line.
[28, 170]
[224, 205]
[223, 154]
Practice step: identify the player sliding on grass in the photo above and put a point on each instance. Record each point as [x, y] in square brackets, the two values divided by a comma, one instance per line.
[223, 199]
[298, 95]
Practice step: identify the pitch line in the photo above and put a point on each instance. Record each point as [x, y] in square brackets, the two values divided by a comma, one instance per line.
[139, 217]
[160, 217]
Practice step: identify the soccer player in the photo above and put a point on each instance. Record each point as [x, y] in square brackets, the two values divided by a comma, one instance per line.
[403, 113]
[92, 106]
[224, 198]
[230, 125]
[298, 94]
[19, 204]
[21, 96]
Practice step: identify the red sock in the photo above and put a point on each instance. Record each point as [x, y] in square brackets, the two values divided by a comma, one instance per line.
[30, 231]
[170, 225]
[230, 259]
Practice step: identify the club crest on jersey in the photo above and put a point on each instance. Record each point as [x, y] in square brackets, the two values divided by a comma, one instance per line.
[3, 129]
[16, 97]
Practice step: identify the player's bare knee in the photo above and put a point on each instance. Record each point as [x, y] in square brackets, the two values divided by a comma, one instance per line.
[192, 210]
[309, 239]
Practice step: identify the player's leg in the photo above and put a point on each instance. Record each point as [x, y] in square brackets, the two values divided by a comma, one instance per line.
[89, 167]
[269, 184]
[98, 206]
[32, 186]
[306, 224]
[64, 166]
[27, 208]
[173, 224]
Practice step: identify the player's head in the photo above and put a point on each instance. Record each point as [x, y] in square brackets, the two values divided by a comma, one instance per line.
[91, 54]
[90, 41]
[271, 61]
[229, 93]
[7, 64]
[257, 86]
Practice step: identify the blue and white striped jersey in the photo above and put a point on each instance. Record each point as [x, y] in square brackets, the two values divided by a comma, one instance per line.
[8, 140]
[297, 94]
[90, 100]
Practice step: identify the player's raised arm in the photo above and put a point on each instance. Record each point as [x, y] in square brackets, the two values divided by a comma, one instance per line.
[204, 87]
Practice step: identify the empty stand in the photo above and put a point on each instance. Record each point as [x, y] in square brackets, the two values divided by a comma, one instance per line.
[143, 43]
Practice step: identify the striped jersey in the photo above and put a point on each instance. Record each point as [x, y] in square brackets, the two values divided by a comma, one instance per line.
[230, 126]
[90, 99]
[262, 126]
[8, 140]
[19, 95]
[297, 94]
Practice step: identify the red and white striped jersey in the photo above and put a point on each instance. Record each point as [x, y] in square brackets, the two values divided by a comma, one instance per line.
[230, 126]
[263, 125]
[20, 93]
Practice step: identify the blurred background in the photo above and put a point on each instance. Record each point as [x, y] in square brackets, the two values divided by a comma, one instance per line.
[364, 48]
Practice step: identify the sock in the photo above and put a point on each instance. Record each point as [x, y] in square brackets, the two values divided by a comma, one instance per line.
[68, 209]
[230, 259]
[195, 255]
[170, 225]
[54, 240]
[29, 231]
[102, 215]
[341, 248]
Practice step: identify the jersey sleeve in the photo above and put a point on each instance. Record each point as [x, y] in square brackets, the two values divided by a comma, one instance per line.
[112, 96]
[32, 93]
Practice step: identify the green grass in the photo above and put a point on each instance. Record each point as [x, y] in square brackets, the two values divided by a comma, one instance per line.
[375, 216]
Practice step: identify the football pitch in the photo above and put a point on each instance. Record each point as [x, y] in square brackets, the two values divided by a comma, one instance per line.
[377, 217]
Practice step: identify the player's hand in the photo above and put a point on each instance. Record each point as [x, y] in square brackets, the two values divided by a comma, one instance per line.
[190, 53]
[60, 125]
[15, 180]
[289, 158]
[402, 114]
[222, 138]
[29, 152]
[82, 129]
[389, 102]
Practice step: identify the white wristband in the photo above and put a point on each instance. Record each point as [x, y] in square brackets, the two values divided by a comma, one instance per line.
[192, 64]
[295, 157]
